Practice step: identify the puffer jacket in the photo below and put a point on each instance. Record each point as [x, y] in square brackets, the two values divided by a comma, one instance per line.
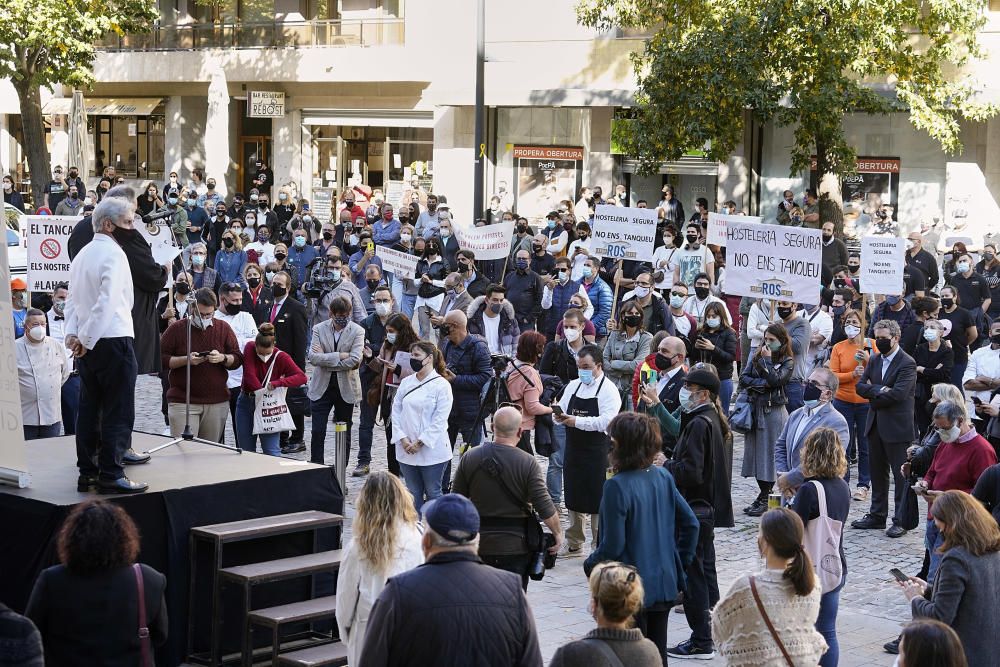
[766, 380]
[509, 331]
[470, 362]
[452, 611]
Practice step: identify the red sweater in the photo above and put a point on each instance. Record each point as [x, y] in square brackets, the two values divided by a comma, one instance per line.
[208, 381]
[286, 373]
[958, 465]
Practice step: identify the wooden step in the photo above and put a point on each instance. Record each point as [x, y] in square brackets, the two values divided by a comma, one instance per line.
[324, 655]
[284, 568]
[295, 612]
[249, 529]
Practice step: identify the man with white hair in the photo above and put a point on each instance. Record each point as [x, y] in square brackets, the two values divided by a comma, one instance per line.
[100, 333]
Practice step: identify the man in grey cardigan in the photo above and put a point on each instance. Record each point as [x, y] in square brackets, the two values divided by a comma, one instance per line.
[799, 331]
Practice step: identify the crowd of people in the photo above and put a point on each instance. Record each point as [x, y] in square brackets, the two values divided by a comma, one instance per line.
[594, 402]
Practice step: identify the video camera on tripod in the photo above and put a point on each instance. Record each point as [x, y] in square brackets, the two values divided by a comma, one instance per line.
[320, 279]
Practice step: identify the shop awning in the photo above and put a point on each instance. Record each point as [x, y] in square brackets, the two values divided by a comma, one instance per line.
[369, 117]
[105, 106]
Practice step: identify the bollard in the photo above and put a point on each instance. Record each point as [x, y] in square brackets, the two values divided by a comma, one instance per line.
[341, 448]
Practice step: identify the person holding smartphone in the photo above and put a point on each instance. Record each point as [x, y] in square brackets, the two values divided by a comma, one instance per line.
[846, 356]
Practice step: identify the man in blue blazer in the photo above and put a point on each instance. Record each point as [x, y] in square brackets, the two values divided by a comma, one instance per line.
[817, 412]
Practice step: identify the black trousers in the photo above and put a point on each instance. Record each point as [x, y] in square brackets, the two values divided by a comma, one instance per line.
[454, 428]
[883, 455]
[652, 623]
[296, 435]
[702, 591]
[342, 412]
[107, 407]
[517, 563]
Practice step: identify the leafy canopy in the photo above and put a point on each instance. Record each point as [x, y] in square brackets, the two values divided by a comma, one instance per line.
[793, 62]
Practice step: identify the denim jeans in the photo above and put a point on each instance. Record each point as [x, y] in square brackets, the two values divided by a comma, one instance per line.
[39, 432]
[245, 406]
[957, 371]
[554, 474]
[856, 415]
[407, 304]
[932, 541]
[725, 394]
[826, 625]
[795, 390]
[423, 482]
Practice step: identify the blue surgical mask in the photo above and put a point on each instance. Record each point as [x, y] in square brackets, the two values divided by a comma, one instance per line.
[551, 224]
[587, 272]
[962, 267]
[892, 299]
[172, 201]
[930, 335]
[300, 241]
[335, 274]
[586, 376]
[676, 301]
[713, 322]
[391, 337]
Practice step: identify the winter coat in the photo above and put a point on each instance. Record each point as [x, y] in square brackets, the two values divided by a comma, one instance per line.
[561, 294]
[766, 380]
[148, 278]
[600, 296]
[508, 333]
[470, 362]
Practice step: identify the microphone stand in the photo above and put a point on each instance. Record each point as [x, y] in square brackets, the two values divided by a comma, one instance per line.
[187, 435]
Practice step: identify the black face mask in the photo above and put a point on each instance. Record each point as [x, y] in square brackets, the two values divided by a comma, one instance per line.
[784, 312]
[839, 283]
[464, 267]
[693, 240]
[253, 282]
[227, 242]
[233, 308]
[995, 339]
[811, 392]
[701, 292]
[536, 248]
[521, 229]
[632, 320]
[662, 361]
[123, 235]
[182, 288]
[372, 284]
[327, 236]
[416, 364]
[278, 291]
[445, 329]
[280, 256]
[854, 269]
[884, 345]
[947, 302]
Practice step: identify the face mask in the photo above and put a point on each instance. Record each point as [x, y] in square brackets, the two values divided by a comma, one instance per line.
[87, 201]
[811, 395]
[632, 320]
[253, 282]
[962, 267]
[36, 334]
[269, 275]
[263, 205]
[182, 288]
[335, 275]
[774, 346]
[8, 187]
[387, 217]
[701, 292]
[383, 309]
[536, 248]
[445, 329]
[892, 300]
[300, 241]
[571, 335]
[995, 339]
[445, 233]
[884, 345]
[563, 276]
[264, 357]
[279, 291]
[341, 322]
[433, 251]
[522, 264]
[852, 331]
[796, 219]
[210, 186]
[854, 268]
[391, 338]
[349, 204]
[228, 242]
[713, 322]
[642, 292]
[692, 239]
[495, 308]
[930, 335]
[578, 306]
[784, 312]
[662, 361]
[233, 308]
[586, 376]
[59, 307]
[464, 267]
[948, 434]
[197, 260]
[280, 256]
[947, 302]
[684, 398]
[253, 197]
[172, 201]
[416, 364]
[551, 224]
[587, 272]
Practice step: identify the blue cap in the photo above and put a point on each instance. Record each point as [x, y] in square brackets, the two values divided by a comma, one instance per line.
[452, 516]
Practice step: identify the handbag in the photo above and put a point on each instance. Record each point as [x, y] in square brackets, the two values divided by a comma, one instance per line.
[297, 401]
[767, 622]
[741, 413]
[822, 542]
[271, 413]
[909, 508]
[144, 643]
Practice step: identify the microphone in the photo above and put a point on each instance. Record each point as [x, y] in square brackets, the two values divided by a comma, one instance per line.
[159, 215]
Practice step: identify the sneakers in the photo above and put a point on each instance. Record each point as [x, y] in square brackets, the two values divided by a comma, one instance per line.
[361, 471]
[566, 551]
[861, 493]
[687, 650]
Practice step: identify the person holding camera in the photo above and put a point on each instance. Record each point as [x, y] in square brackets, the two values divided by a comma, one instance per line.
[508, 489]
[328, 284]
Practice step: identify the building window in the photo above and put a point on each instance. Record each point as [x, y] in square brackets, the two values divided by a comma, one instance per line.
[133, 145]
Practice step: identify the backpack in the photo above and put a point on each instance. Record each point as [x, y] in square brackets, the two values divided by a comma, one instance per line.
[822, 542]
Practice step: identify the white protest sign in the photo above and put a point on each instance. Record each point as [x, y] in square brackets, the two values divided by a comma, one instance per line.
[718, 222]
[624, 233]
[774, 262]
[48, 253]
[160, 240]
[882, 264]
[489, 242]
[399, 264]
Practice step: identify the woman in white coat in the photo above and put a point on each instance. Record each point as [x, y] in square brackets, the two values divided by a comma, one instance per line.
[386, 542]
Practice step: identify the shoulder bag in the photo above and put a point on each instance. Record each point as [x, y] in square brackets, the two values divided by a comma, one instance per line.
[741, 413]
[271, 414]
[822, 542]
[144, 643]
[767, 622]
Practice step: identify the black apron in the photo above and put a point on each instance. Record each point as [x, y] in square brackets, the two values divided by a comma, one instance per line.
[585, 465]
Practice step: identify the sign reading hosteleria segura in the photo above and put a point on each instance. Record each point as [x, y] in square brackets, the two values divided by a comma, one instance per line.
[545, 176]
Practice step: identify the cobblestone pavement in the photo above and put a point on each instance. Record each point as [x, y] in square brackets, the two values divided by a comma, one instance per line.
[871, 606]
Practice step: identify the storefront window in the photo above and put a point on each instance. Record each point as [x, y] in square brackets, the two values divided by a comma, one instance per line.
[133, 145]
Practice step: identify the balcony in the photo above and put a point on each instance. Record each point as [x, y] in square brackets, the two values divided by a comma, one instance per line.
[260, 35]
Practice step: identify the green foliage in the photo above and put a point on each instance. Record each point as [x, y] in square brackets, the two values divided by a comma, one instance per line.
[801, 63]
[51, 41]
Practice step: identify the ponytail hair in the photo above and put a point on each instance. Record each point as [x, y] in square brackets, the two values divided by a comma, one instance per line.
[616, 590]
[265, 335]
[783, 531]
[431, 351]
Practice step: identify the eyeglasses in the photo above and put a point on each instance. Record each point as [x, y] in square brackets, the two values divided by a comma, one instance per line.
[813, 383]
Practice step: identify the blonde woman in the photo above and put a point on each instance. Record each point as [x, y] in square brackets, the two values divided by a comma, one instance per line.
[386, 542]
[231, 258]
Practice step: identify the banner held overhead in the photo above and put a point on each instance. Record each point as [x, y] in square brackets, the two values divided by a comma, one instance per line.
[774, 262]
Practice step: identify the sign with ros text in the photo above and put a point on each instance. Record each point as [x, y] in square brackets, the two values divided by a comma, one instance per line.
[717, 224]
[399, 264]
[265, 104]
[48, 254]
[489, 242]
[773, 262]
[882, 264]
[624, 233]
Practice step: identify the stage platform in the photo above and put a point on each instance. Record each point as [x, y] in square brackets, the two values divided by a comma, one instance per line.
[189, 485]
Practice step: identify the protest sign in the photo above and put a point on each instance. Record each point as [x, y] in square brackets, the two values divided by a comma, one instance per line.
[774, 262]
[399, 264]
[624, 233]
[882, 264]
[48, 252]
[489, 242]
[717, 223]
[160, 240]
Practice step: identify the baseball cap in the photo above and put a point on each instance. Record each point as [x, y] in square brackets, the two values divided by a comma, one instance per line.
[18, 283]
[703, 378]
[453, 516]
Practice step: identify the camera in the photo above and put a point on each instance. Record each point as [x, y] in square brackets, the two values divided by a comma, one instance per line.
[320, 281]
[499, 362]
[543, 560]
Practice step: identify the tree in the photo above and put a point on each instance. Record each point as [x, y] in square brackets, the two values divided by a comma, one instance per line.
[804, 63]
[46, 42]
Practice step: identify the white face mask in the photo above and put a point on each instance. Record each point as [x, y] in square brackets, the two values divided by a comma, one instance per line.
[36, 333]
[642, 292]
[948, 434]
[852, 330]
[265, 357]
[383, 309]
[571, 334]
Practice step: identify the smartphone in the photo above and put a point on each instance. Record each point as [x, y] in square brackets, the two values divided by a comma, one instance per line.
[900, 577]
[977, 401]
[557, 410]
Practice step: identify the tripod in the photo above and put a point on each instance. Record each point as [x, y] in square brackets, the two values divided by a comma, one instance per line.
[491, 400]
[187, 435]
